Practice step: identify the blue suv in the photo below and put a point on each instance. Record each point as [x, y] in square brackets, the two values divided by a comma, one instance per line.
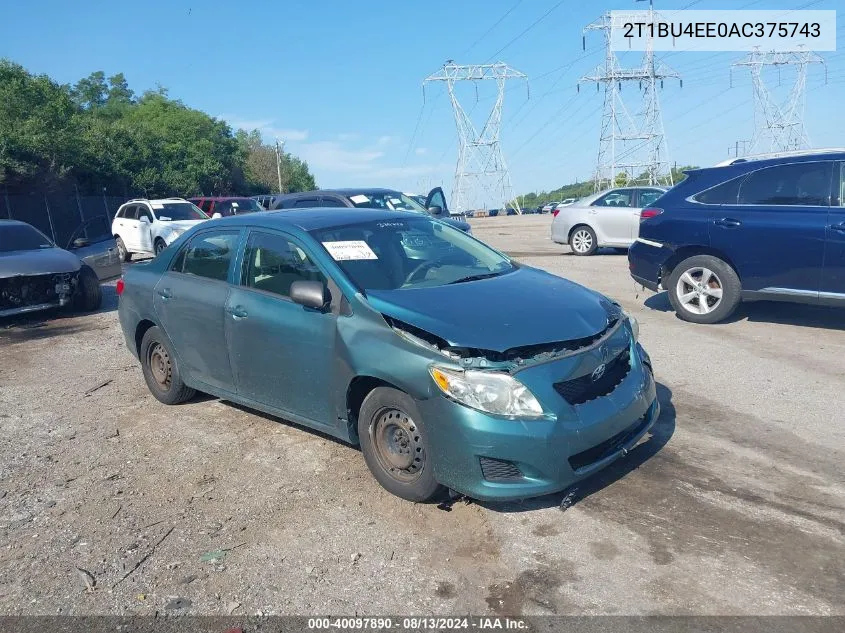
[752, 229]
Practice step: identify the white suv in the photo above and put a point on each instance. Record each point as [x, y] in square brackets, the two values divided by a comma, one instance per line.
[149, 226]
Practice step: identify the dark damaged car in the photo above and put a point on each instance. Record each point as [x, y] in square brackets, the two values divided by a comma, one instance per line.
[399, 333]
[35, 274]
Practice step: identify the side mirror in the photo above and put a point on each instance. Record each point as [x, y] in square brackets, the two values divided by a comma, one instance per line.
[216, 215]
[435, 210]
[311, 294]
[144, 219]
[81, 242]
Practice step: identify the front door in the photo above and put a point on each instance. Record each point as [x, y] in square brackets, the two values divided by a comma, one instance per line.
[282, 353]
[833, 274]
[436, 198]
[145, 229]
[190, 299]
[613, 214]
[775, 233]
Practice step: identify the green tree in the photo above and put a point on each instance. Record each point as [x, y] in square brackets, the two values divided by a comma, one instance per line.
[92, 91]
[261, 171]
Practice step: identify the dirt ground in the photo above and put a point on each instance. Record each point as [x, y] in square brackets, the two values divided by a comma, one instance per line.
[113, 503]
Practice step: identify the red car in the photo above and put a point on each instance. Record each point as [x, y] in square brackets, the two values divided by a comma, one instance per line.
[226, 205]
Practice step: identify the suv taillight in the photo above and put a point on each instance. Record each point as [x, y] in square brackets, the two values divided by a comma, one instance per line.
[119, 286]
[555, 212]
[645, 214]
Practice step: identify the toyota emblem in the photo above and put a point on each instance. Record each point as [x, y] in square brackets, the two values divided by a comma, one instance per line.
[598, 372]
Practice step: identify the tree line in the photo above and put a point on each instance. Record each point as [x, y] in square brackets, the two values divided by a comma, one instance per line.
[583, 189]
[98, 134]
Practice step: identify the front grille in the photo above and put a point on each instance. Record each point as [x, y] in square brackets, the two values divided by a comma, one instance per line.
[608, 447]
[583, 389]
[499, 470]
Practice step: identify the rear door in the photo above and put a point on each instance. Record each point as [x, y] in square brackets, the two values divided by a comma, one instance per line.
[612, 216]
[833, 274]
[190, 299]
[128, 228]
[774, 234]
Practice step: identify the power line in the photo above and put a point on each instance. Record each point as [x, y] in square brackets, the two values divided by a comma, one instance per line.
[535, 23]
[488, 31]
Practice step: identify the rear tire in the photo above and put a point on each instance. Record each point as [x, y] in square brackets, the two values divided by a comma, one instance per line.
[395, 445]
[583, 240]
[704, 289]
[124, 255]
[161, 372]
[89, 296]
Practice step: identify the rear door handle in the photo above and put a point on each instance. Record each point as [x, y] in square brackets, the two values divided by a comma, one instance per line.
[838, 227]
[165, 294]
[237, 313]
[728, 223]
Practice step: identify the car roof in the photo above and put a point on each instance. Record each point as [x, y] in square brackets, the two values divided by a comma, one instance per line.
[13, 223]
[219, 198]
[348, 191]
[311, 219]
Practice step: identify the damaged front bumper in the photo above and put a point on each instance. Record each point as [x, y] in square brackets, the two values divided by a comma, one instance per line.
[493, 458]
[22, 294]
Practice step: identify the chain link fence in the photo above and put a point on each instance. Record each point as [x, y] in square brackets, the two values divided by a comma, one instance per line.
[58, 213]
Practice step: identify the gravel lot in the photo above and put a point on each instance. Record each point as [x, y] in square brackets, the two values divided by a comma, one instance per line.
[735, 505]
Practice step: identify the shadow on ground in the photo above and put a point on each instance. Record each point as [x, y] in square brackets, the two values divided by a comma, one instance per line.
[824, 317]
[658, 437]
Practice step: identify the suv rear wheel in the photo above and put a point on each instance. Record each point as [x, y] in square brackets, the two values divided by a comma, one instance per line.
[703, 289]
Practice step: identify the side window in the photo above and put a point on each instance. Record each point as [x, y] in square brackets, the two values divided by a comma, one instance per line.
[841, 188]
[144, 212]
[331, 202]
[725, 193]
[131, 212]
[306, 202]
[796, 184]
[437, 200]
[648, 196]
[94, 230]
[272, 263]
[616, 198]
[206, 206]
[208, 255]
[120, 212]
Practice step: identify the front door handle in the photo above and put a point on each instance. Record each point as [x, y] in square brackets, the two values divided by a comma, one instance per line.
[165, 294]
[838, 227]
[729, 223]
[237, 313]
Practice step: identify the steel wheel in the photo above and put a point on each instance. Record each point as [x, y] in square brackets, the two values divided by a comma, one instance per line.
[397, 445]
[160, 366]
[582, 241]
[699, 290]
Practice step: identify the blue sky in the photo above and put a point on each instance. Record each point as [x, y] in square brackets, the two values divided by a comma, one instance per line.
[340, 80]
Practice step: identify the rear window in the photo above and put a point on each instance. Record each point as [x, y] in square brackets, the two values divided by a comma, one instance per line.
[726, 193]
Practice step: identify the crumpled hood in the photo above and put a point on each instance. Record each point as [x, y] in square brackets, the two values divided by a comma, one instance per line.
[41, 262]
[525, 307]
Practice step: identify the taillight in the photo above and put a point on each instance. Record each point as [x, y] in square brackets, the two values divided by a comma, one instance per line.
[555, 212]
[119, 286]
[645, 214]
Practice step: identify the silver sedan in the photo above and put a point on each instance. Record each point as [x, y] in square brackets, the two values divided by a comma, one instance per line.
[608, 218]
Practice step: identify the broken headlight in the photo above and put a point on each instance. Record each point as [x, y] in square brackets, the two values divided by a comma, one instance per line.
[487, 391]
[632, 321]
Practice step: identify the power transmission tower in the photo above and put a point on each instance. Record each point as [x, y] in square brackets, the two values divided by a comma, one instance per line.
[779, 127]
[630, 147]
[481, 171]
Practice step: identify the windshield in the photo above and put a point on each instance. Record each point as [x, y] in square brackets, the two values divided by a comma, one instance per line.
[391, 200]
[22, 237]
[409, 253]
[166, 211]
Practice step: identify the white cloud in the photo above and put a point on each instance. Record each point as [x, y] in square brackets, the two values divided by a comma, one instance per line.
[267, 128]
[332, 156]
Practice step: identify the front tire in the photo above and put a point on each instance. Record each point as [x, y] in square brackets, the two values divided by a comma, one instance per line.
[704, 289]
[583, 240]
[89, 296]
[395, 445]
[124, 254]
[161, 371]
[159, 246]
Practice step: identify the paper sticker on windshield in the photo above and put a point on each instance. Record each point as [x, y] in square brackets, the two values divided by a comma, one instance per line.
[359, 199]
[351, 250]
[157, 205]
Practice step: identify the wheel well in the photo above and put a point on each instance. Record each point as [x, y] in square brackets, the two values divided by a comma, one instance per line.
[689, 251]
[159, 239]
[142, 328]
[578, 226]
[358, 390]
